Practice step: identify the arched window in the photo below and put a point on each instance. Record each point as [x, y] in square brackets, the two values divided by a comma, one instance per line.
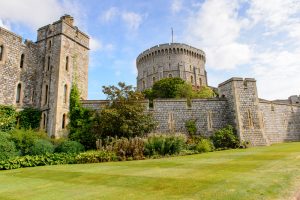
[48, 64]
[63, 125]
[1, 52]
[200, 82]
[22, 61]
[192, 79]
[18, 97]
[67, 63]
[170, 75]
[46, 95]
[65, 93]
[153, 79]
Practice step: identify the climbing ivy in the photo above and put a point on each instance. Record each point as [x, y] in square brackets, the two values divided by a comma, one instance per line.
[30, 118]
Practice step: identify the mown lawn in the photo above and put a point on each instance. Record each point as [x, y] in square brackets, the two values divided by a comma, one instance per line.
[256, 173]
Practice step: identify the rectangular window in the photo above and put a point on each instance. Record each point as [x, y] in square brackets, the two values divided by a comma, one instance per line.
[1, 52]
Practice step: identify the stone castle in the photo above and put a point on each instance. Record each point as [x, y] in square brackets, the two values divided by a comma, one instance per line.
[40, 74]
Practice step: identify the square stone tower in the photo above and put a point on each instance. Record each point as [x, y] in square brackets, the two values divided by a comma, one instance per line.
[40, 74]
[63, 52]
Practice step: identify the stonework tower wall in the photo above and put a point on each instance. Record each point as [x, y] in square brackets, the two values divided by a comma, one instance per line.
[41, 74]
[65, 58]
[18, 64]
[171, 60]
[244, 106]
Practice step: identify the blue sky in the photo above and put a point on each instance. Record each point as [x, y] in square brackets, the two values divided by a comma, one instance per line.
[244, 38]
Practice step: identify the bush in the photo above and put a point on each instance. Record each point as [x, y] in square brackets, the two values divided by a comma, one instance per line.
[25, 139]
[191, 127]
[225, 138]
[204, 145]
[38, 160]
[125, 149]
[7, 147]
[41, 147]
[69, 147]
[96, 157]
[8, 118]
[160, 144]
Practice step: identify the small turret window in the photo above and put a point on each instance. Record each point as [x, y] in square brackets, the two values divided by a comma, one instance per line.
[48, 64]
[44, 125]
[67, 63]
[65, 93]
[18, 97]
[22, 61]
[192, 79]
[200, 82]
[46, 95]
[49, 45]
[1, 52]
[63, 125]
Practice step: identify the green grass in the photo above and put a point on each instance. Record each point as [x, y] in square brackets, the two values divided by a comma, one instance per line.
[256, 173]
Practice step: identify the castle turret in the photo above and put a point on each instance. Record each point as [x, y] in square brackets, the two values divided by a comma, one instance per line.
[63, 51]
[171, 60]
[243, 105]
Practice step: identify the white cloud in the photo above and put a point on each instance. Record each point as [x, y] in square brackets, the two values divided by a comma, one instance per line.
[176, 6]
[132, 19]
[5, 25]
[216, 27]
[110, 14]
[36, 13]
[276, 72]
[95, 44]
[274, 13]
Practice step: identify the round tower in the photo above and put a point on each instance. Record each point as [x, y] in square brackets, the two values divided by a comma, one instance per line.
[171, 60]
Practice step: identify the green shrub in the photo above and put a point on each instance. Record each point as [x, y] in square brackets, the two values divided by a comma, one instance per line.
[96, 157]
[41, 147]
[126, 149]
[191, 127]
[29, 118]
[7, 147]
[24, 139]
[225, 138]
[69, 147]
[204, 145]
[38, 160]
[8, 118]
[161, 144]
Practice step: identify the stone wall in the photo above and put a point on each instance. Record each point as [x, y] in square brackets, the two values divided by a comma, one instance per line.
[281, 122]
[171, 115]
[171, 60]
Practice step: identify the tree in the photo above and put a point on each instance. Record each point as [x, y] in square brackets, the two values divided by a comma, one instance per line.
[81, 121]
[125, 116]
[204, 93]
[167, 87]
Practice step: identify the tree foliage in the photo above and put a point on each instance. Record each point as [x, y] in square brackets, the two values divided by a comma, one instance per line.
[8, 119]
[225, 138]
[177, 88]
[125, 115]
[81, 121]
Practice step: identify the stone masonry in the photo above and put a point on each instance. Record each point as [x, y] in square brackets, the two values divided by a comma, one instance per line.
[40, 74]
[171, 60]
